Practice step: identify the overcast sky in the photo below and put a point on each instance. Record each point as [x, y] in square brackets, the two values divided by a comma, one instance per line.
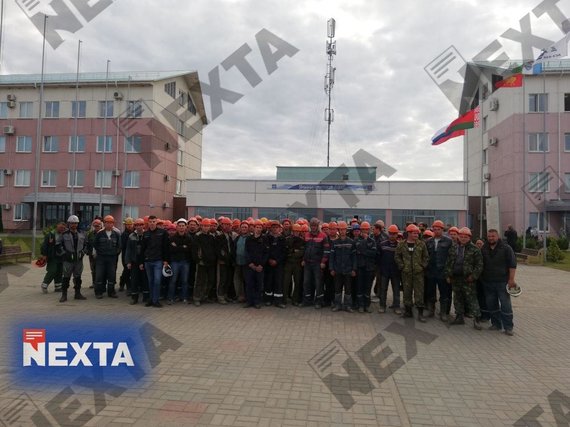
[384, 101]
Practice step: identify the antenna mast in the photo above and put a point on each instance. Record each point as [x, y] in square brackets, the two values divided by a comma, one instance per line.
[329, 81]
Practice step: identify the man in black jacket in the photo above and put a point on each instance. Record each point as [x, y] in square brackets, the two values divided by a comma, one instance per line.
[499, 267]
[155, 255]
[438, 249]
[257, 253]
[225, 248]
[125, 279]
[54, 263]
[273, 276]
[106, 247]
[180, 255]
[205, 257]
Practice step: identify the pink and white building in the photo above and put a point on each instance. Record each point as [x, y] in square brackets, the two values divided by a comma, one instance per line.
[123, 144]
[520, 154]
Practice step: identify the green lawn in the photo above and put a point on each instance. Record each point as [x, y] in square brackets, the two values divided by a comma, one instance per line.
[562, 265]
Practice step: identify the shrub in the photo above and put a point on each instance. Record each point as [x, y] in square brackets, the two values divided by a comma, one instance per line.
[519, 244]
[531, 243]
[553, 253]
[563, 243]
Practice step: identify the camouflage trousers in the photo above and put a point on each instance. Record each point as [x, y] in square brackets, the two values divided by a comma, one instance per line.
[465, 294]
[413, 284]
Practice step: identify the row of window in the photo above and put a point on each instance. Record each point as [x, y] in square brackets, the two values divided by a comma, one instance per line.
[77, 109]
[538, 142]
[51, 144]
[22, 178]
[22, 211]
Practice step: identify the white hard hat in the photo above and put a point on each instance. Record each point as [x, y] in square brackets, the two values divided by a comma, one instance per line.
[73, 219]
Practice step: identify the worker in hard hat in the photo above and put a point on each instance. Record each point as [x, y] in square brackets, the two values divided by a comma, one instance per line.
[293, 271]
[390, 273]
[412, 259]
[106, 247]
[438, 248]
[343, 266]
[71, 248]
[366, 261]
[463, 268]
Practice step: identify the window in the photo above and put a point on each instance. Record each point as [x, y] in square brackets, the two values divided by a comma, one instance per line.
[567, 142]
[131, 179]
[76, 144]
[537, 142]
[485, 124]
[49, 178]
[539, 182]
[133, 144]
[26, 110]
[2, 144]
[78, 109]
[22, 178]
[180, 157]
[567, 102]
[134, 109]
[3, 110]
[537, 220]
[170, 88]
[181, 98]
[567, 182]
[131, 211]
[52, 109]
[485, 156]
[1, 179]
[78, 181]
[106, 108]
[105, 176]
[180, 127]
[191, 106]
[24, 144]
[51, 144]
[537, 102]
[22, 212]
[178, 186]
[108, 142]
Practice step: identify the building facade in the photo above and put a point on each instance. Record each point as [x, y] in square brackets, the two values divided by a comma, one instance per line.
[119, 143]
[330, 194]
[520, 153]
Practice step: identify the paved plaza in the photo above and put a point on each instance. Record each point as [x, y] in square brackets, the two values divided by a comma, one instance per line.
[304, 367]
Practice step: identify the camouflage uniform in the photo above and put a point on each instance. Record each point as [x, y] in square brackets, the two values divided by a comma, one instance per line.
[412, 264]
[464, 279]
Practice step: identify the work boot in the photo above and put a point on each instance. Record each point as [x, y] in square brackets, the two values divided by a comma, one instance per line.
[459, 320]
[421, 317]
[476, 324]
[78, 295]
[431, 309]
[443, 311]
[44, 288]
[134, 299]
[57, 287]
[408, 311]
[63, 295]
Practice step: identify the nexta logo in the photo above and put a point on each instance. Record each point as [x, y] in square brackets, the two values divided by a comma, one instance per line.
[38, 352]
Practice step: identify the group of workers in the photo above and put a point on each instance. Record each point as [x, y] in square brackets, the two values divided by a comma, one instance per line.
[303, 263]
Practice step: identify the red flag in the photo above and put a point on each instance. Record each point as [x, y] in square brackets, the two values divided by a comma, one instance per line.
[516, 80]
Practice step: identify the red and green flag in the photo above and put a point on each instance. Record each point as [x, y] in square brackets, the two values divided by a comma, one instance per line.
[456, 128]
[515, 80]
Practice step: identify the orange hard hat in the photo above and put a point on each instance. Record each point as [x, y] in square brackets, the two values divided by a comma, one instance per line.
[438, 223]
[297, 227]
[305, 228]
[40, 262]
[428, 233]
[393, 229]
[412, 228]
[109, 218]
[198, 218]
[465, 230]
[333, 225]
[325, 225]
[258, 222]
[342, 225]
[286, 220]
[192, 219]
[453, 229]
[213, 221]
[365, 225]
[226, 221]
[206, 221]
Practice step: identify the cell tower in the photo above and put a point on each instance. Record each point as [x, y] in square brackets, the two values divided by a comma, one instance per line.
[329, 81]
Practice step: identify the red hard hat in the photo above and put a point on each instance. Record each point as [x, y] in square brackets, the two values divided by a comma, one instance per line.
[365, 225]
[438, 223]
[258, 222]
[412, 228]
[41, 262]
[455, 229]
[226, 221]
[428, 233]
[206, 221]
[304, 227]
[465, 230]
[393, 229]
[342, 225]
[325, 225]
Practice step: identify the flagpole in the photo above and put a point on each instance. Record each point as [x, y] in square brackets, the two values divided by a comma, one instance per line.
[104, 139]
[38, 145]
[544, 187]
[73, 168]
[482, 166]
[524, 146]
